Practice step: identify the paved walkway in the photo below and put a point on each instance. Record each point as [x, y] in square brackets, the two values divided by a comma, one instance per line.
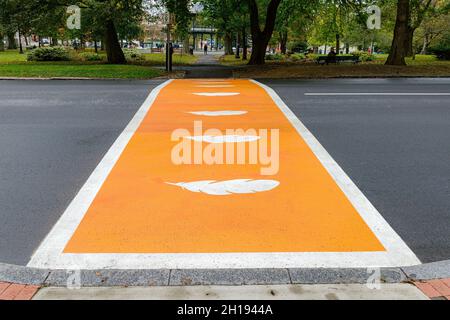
[208, 66]
[257, 293]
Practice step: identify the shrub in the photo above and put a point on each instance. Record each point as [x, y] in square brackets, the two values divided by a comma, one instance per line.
[89, 56]
[298, 57]
[313, 56]
[363, 56]
[49, 54]
[441, 51]
[274, 57]
[133, 55]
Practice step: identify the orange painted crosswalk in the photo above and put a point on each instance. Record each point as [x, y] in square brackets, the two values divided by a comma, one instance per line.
[145, 205]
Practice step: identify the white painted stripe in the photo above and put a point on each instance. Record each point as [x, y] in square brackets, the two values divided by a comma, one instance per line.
[214, 81]
[224, 139]
[50, 253]
[216, 86]
[218, 113]
[398, 253]
[217, 260]
[228, 187]
[216, 94]
[377, 94]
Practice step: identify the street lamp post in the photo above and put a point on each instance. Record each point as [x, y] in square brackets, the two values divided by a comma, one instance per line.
[169, 45]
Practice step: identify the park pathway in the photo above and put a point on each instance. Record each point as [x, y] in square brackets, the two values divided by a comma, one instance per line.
[208, 67]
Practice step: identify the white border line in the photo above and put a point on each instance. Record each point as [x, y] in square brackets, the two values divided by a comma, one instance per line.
[50, 253]
[425, 94]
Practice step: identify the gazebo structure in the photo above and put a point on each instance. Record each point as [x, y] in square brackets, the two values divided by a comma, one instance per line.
[202, 35]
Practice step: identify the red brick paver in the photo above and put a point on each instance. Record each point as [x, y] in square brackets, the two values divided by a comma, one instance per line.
[447, 282]
[3, 286]
[439, 288]
[11, 291]
[27, 293]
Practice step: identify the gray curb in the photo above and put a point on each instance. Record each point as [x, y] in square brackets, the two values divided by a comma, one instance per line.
[165, 277]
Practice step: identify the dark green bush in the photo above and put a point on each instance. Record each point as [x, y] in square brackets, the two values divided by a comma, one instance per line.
[275, 57]
[49, 54]
[298, 57]
[442, 51]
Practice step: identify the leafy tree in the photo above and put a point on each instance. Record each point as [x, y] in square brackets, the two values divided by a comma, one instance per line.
[434, 29]
[229, 17]
[410, 15]
[261, 37]
[293, 18]
[102, 18]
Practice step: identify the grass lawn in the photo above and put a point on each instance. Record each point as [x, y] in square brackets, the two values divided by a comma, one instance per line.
[420, 59]
[313, 71]
[230, 60]
[13, 64]
[421, 66]
[49, 70]
[178, 59]
[11, 56]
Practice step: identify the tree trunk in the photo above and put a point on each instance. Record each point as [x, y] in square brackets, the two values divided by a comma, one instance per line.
[20, 43]
[244, 44]
[228, 44]
[283, 41]
[400, 42]
[238, 46]
[260, 38]
[186, 45]
[426, 42]
[338, 43]
[2, 44]
[410, 48]
[113, 50]
[12, 45]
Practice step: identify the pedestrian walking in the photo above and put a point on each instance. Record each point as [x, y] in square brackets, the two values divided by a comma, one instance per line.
[205, 48]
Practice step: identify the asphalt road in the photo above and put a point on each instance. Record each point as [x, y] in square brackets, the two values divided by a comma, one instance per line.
[52, 136]
[395, 148]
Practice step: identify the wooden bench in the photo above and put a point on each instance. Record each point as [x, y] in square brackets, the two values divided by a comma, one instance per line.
[338, 59]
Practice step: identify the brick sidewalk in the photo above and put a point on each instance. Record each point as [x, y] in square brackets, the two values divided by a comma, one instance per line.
[435, 289]
[11, 291]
